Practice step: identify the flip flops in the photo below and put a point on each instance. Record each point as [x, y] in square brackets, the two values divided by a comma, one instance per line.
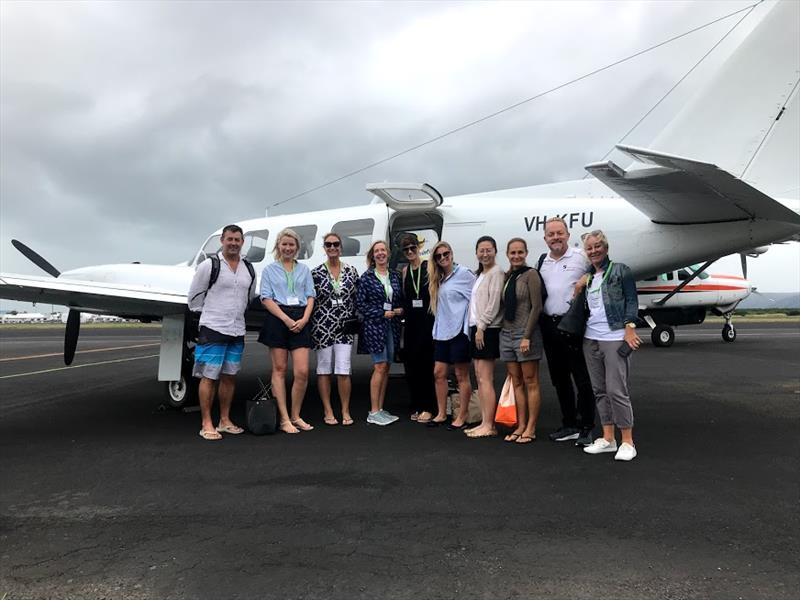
[302, 425]
[232, 429]
[210, 435]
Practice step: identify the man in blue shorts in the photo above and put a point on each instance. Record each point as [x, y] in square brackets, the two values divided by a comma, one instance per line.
[221, 291]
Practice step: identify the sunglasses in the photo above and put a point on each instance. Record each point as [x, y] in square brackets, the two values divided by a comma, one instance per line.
[332, 244]
[441, 255]
[408, 249]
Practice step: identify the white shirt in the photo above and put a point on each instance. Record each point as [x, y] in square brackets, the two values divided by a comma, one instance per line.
[223, 305]
[597, 326]
[473, 302]
[559, 278]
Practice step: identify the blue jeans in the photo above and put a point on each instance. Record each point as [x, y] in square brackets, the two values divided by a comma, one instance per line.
[387, 354]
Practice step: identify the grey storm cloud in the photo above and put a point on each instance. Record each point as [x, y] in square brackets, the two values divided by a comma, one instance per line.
[130, 131]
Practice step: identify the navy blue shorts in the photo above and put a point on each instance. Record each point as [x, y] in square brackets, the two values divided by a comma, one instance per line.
[453, 351]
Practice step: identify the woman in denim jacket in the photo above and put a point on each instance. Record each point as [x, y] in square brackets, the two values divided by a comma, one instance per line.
[609, 339]
[379, 300]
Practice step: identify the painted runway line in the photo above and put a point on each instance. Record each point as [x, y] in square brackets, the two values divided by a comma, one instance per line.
[51, 354]
[104, 362]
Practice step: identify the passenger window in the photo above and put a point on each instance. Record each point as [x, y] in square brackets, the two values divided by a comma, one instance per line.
[683, 275]
[652, 278]
[356, 236]
[254, 248]
[307, 235]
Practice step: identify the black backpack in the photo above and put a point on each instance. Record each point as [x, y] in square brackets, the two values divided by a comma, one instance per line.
[541, 279]
[212, 278]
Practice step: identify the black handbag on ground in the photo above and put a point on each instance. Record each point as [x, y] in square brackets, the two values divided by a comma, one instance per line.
[262, 412]
[573, 323]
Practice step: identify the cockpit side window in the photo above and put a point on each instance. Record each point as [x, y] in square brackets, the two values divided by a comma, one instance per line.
[254, 248]
[212, 246]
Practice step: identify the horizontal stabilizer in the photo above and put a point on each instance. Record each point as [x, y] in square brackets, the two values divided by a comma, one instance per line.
[101, 298]
[681, 191]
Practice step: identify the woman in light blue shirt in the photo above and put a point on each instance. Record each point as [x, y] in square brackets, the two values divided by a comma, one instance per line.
[287, 292]
[450, 287]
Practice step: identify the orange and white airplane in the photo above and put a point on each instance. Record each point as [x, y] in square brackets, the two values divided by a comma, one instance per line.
[661, 213]
[666, 302]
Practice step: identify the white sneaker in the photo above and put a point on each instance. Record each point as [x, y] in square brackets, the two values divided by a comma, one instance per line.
[601, 445]
[376, 418]
[625, 452]
[388, 417]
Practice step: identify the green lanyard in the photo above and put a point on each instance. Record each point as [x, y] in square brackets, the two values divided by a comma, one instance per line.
[416, 283]
[387, 286]
[335, 281]
[289, 279]
[605, 276]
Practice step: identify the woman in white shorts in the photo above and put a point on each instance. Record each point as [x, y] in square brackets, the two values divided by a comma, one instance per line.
[335, 283]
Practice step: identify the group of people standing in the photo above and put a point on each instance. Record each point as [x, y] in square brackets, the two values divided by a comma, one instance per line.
[433, 315]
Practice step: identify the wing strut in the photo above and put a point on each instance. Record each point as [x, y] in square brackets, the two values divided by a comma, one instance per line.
[684, 283]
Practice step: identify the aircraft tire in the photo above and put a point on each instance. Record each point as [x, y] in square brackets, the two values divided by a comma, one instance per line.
[182, 392]
[728, 333]
[663, 336]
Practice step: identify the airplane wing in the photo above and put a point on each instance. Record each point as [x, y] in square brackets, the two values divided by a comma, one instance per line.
[681, 191]
[123, 300]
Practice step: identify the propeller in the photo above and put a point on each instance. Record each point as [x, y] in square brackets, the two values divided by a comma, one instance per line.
[71, 335]
[36, 258]
[743, 256]
[74, 316]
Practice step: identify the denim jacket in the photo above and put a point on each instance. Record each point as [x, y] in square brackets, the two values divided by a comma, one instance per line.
[619, 295]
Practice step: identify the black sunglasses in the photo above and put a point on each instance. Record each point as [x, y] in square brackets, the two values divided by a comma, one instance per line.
[332, 244]
[408, 249]
[442, 255]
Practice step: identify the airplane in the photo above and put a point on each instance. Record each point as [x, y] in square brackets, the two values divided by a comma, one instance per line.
[662, 310]
[660, 214]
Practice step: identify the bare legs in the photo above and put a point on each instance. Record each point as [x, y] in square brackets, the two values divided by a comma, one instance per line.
[280, 362]
[527, 396]
[484, 373]
[224, 389]
[377, 386]
[344, 386]
[464, 391]
[627, 434]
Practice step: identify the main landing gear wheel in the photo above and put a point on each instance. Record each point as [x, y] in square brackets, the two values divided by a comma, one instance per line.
[183, 392]
[728, 333]
[663, 336]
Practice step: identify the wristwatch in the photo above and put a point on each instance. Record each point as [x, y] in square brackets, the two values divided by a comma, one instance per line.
[632, 325]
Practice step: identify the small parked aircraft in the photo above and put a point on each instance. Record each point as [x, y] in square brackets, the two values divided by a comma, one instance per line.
[663, 213]
[661, 308]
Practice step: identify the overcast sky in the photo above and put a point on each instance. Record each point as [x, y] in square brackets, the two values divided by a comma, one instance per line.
[131, 130]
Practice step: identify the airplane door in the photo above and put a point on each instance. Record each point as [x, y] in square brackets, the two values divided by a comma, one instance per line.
[414, 210]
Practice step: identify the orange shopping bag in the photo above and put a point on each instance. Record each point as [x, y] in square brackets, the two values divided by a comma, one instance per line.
[506, 407]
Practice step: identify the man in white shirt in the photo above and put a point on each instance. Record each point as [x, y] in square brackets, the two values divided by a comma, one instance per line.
[559, 270]
[221, 290]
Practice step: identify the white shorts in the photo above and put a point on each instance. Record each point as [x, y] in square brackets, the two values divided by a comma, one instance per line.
[325, 359]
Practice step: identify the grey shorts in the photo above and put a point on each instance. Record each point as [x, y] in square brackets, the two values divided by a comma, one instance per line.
[509, 346]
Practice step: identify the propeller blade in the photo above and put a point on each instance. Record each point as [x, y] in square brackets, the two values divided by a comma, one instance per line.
[743, 257]
[71, 335]
[35, 258]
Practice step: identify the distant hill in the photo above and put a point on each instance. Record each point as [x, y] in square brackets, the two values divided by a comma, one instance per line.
[767, 300]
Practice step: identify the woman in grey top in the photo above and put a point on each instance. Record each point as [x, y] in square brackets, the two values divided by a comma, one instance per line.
[520, 338]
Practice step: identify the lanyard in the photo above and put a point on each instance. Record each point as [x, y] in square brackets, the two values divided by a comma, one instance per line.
[289, 279]
[605, 276]
[415, 283]
[335, 281]
[387, 286]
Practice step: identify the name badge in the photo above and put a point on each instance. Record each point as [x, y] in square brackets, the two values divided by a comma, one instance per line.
[292, 301]
[387, 306]
[336, 302]
[416, 304]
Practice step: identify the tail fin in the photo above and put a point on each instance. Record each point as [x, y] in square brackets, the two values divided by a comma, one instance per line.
[729, 122]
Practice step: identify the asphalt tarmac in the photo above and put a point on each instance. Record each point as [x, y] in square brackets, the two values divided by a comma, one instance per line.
[104, 494]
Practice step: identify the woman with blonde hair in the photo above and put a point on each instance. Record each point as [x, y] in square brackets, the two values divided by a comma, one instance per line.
[521, 344]
[379, 301]
[450, 287]
[335, 283]
[287, 292]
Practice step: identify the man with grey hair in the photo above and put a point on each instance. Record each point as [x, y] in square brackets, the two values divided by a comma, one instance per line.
[560, 269]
